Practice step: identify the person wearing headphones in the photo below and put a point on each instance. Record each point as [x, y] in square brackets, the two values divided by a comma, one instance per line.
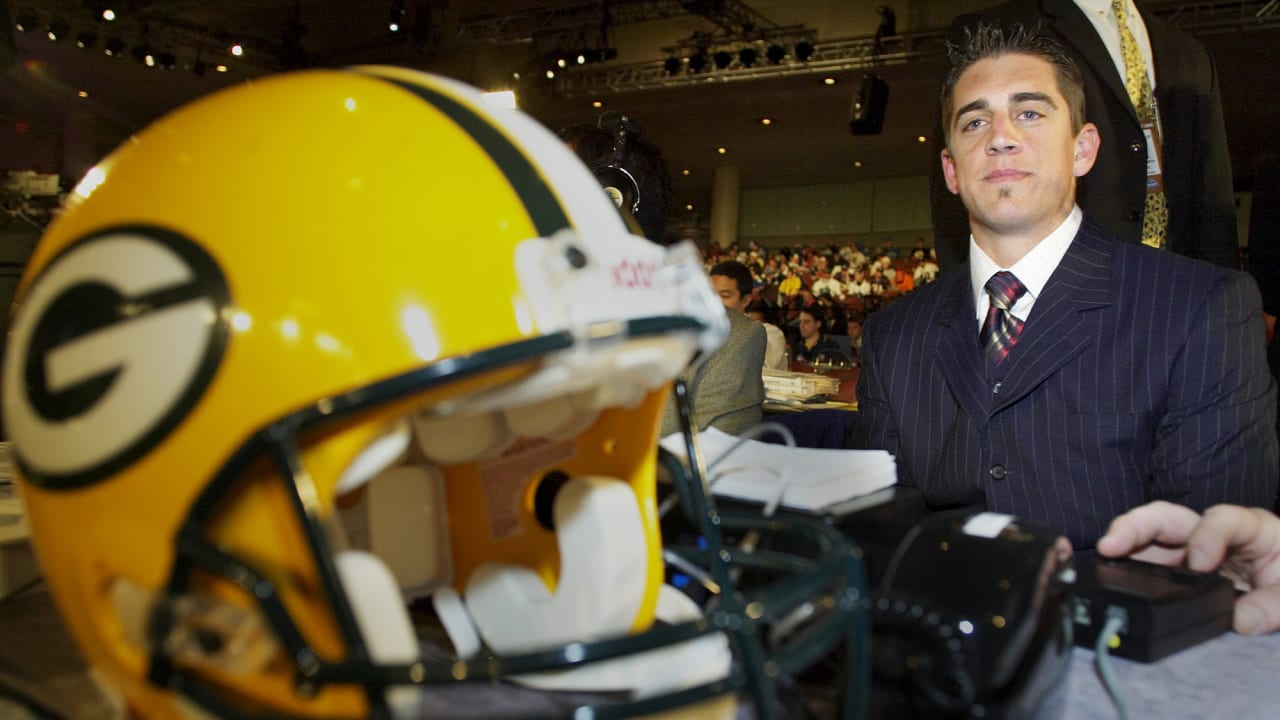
[725, 387]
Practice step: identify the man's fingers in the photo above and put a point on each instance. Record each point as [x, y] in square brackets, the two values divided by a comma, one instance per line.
[1258, 612]
[1248, 533]
[1155, 524]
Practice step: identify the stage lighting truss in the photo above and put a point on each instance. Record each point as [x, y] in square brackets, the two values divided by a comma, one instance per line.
[719, 61]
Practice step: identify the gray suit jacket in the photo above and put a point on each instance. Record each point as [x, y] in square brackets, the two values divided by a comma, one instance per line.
[726, 386]
[1139, 375]
[1197, 166]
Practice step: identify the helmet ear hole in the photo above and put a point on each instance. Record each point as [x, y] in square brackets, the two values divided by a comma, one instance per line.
[544, 498]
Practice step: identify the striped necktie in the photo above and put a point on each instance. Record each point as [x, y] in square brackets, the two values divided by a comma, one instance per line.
[1000, 330]
[1155, 218]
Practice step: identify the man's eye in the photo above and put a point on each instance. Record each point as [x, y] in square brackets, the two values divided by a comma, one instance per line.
[973, 124]
[1029, 115]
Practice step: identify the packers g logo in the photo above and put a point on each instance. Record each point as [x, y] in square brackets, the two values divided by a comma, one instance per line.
[112, 346]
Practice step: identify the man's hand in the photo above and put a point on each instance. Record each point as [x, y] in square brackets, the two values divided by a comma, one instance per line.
[1242, 543]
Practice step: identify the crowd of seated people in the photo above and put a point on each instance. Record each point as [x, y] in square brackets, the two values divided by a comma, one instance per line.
[837, 285]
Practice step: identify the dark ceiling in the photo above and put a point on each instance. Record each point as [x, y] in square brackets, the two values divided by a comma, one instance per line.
[46, 127]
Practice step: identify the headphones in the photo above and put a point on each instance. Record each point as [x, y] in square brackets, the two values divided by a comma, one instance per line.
[617, 181]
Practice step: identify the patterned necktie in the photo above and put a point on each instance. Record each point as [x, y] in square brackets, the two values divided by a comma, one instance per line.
[1000, 330]
[1156, 216]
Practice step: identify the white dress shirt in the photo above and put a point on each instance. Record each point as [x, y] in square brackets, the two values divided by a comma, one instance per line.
[1032, 270]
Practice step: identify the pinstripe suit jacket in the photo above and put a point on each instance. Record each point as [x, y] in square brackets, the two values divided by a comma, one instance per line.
[1139, 375]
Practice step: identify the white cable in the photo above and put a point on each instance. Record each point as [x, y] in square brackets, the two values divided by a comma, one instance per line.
[1115, 621]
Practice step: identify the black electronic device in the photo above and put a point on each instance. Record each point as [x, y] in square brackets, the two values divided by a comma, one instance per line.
[866, 117]
[973, 619]
[1160, 610]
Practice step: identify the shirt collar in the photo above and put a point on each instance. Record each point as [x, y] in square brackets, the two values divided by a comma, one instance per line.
[1034, 268]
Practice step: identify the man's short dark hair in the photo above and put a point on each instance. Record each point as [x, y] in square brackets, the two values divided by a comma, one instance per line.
[738, 273]
[815, 311]
[642, 160]
[994, 39]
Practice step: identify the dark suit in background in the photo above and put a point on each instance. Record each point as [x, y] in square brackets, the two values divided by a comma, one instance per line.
[1197, 167]
[1140, 375]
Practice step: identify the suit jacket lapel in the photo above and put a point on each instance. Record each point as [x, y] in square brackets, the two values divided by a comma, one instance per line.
[1055, 330]
[1070, 23]
[955, 346]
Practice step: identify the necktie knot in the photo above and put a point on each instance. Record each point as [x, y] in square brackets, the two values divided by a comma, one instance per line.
[1004, 288]
[1000, 330]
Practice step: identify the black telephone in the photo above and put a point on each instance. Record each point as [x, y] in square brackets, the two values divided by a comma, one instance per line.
[972, 619]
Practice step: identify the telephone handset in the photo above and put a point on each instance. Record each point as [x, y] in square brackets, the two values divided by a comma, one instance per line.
[973, 618]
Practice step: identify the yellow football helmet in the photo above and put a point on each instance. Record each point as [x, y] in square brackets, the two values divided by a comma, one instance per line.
[318, 345]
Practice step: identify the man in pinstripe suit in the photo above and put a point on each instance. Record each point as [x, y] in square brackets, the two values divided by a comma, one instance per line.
[1120, 375]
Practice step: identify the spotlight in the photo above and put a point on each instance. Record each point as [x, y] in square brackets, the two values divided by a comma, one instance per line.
[398, 14]
[57, 30]
[86, 40]
[747, 56]
[722, 59]
[804, 51]
[671, 65]
[144, 54]
[25, 22]
[114, 47]
[697, 62]
[775, 53]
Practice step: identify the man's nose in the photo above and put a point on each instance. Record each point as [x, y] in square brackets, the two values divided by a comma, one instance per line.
[1003, 136]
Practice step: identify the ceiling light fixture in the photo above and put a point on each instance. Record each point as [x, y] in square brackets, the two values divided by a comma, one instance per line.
[722, 58]
[57, 30]
[804, 51]
[24, 22]
[398, 14]
[747, 56]
[671, 65]
[86, 40]
[114, 48]
[775, 53]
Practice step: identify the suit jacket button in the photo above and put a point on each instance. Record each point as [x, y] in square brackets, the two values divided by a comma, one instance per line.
[998, 472]
[1138, 147]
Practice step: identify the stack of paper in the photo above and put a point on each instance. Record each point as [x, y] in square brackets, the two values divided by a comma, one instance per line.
[800, 478]
[783, 384]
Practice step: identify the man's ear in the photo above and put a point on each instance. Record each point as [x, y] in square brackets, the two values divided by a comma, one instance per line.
[949, 171]
[1087, 142]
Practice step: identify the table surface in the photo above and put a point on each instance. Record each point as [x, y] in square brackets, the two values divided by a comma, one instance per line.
[1233, 676]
